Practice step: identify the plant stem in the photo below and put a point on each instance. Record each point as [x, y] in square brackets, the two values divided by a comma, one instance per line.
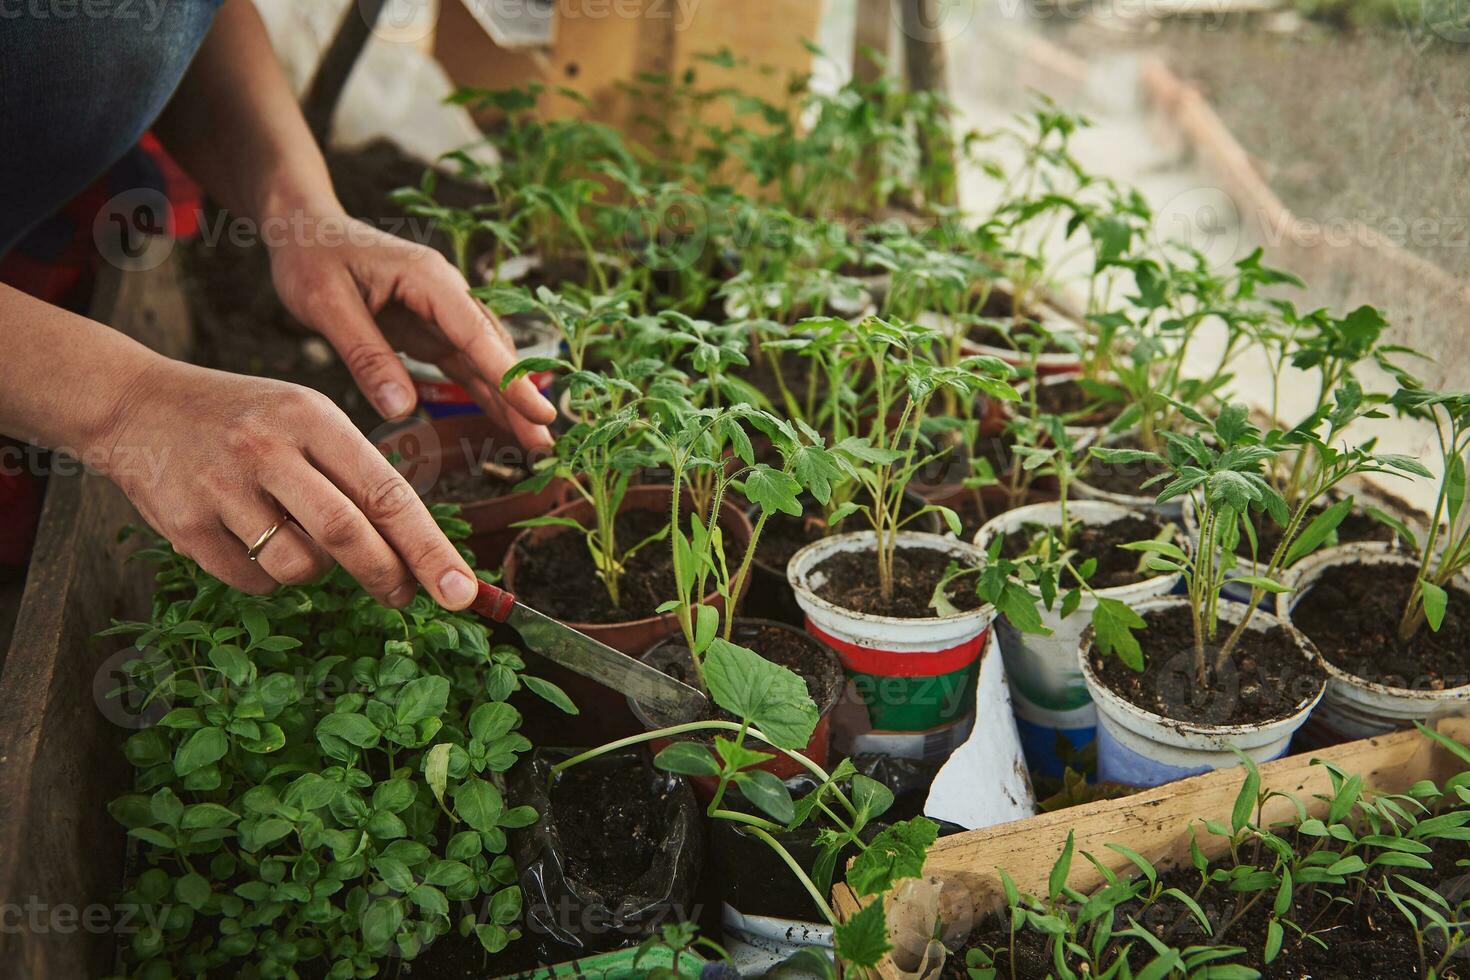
[757, 827]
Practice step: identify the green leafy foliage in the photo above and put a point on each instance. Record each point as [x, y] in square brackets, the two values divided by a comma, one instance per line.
[325, 787]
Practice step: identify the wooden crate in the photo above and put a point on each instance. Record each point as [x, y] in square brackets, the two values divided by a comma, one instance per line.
[60, 758]
[1156, 823]
[601, 43]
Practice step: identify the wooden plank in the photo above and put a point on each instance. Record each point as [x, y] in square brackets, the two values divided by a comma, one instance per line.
[1157, 822]
[60, 759]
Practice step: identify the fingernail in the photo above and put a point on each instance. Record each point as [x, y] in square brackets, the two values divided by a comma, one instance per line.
[401, 596]
[394, 399]
[458, 589]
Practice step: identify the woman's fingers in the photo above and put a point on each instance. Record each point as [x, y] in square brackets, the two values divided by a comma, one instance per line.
[289, 556]
[440, 296]
[369, 517]
[340, 528]
[528, 435]
[339, 312]
[222, 555]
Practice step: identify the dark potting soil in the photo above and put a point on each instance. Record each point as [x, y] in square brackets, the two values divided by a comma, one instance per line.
[1068, 399]
[795, 651]
[469, 485]
[1103, 542]
[609, 836]
[1122, 478]
[1001, 305]
[852, 583]
[1266, 678]
[1368, 938]
[557, 577]
[1352, 615]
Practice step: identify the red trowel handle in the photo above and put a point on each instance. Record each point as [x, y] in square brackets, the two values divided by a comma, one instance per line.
[493, 603]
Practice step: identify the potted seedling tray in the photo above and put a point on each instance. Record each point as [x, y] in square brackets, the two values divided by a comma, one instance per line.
[1158, 824]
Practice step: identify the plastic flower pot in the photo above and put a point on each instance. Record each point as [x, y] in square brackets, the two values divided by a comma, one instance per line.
[746, 632]
[1137, 747]
[1048, 692]
[770, 595]
[605, 709]
[440, 397]
[427, 452]
[1171, 510]
[915, 675]
[1355, 707]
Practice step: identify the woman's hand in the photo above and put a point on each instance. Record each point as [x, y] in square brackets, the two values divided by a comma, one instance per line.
[370, 293]
[228, 456]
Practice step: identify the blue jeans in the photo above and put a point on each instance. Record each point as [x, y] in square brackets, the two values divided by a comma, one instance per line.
[80, 82]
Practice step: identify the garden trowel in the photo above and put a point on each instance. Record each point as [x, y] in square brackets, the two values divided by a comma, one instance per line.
[579, 652]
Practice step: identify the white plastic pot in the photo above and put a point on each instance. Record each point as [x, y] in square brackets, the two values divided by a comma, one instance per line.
[1355, 707]
[1171, 510]
[759, 943]
[1138, 747]
[917, 676]
[1053, 319]
[1048, 692]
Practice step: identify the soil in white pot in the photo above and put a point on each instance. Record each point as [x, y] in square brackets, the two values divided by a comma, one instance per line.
[1351, 614]
[1267, 677]
[1115, 566]
[1124, 478]
[851, 581]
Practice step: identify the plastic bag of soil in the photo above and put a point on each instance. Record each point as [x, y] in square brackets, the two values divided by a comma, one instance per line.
[616, 853]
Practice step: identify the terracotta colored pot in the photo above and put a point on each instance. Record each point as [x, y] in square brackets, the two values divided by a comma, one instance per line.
[430, 449]
[782, 766]
[604, 709]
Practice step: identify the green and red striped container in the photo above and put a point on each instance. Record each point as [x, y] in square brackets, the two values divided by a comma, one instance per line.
[916, 676]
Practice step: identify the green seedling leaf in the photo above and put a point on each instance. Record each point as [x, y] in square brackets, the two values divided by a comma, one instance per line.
[1057, 879]
[897, 852]
[1436, 601]
[549, 692]
[687, 759]
[1316, 533]
[770, 697]
[773, 490]
[764, 790]
[478, 804]
[862, 941]
[1113, 623]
